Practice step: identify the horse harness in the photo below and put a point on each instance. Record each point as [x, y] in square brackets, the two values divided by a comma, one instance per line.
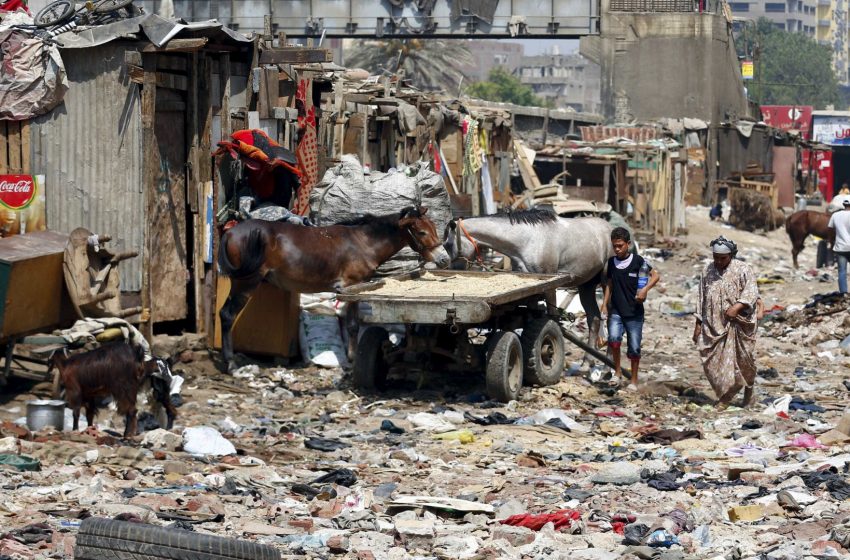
[418, 246]
[475, 246]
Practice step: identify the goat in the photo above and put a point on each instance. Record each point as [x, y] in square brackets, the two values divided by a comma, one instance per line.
[116, 370]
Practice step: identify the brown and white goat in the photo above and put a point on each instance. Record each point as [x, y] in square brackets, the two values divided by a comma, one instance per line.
[115, 370]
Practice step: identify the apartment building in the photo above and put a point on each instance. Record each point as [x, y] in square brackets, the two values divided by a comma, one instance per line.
[567, 80]
[797, 16]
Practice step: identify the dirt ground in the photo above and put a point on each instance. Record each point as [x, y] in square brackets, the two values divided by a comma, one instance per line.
[609, 489]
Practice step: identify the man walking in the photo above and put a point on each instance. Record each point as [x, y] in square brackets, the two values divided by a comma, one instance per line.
[839, 232]
[630, 278]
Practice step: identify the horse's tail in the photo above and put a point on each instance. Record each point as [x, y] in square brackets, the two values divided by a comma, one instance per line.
[251, 253]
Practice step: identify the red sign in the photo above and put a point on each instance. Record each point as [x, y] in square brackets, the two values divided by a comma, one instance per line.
[17, 191]
[823, 165]
[789, 117]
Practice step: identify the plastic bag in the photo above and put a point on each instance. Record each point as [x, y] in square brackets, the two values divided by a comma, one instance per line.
[321, 340]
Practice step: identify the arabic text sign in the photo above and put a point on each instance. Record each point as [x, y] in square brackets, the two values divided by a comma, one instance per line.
[833, 130]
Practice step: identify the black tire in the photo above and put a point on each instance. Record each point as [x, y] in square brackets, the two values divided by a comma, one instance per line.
[544, 350]
[106, 539]
[109, 6]
[55, 13]
[370, 365]
[504, 366]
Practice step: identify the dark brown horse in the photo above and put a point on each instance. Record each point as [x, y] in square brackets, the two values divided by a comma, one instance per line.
[804, 223]
[316, 259]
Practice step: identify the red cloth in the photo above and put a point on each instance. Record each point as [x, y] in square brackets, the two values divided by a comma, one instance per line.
[12, 5]
[562, 519]
[307, 152]
[262, 154]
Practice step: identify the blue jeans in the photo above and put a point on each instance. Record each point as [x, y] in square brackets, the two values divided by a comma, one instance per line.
[633, 326]
[841, 259]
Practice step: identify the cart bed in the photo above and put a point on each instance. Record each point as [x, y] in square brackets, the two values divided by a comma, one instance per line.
[446, 296]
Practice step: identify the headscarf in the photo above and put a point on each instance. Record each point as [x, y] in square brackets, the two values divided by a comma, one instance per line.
[723, 246]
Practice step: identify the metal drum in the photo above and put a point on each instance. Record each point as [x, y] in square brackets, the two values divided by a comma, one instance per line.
[41, 414]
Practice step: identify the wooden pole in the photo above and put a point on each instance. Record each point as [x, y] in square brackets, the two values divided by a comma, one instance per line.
[150, 170]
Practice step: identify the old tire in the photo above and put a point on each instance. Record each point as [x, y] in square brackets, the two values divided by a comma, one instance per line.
[106, 539]
[55, 13]
[370, 366]
[544, 351]
[504, 366]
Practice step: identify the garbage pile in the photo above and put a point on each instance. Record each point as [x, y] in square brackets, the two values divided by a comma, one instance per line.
[294, 459]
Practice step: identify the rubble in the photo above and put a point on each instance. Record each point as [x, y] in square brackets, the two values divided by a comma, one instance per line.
[297, 460]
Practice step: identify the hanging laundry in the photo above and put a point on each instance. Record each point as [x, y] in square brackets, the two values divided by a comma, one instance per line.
[307, 152]
[471, 147]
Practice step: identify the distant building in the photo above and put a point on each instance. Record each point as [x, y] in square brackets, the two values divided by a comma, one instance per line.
[489, 54]
[797, 16]
[567, 80]
[823, 20]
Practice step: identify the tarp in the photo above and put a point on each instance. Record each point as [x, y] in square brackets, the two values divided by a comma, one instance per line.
[345, 192]
[32, 76]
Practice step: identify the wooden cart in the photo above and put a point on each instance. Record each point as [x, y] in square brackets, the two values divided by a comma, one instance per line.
[523, 343]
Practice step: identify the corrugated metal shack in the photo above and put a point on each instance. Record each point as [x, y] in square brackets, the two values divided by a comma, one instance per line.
[128, 151]
[638, 171]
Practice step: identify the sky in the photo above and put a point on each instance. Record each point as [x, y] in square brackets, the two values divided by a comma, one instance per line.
[542, 46]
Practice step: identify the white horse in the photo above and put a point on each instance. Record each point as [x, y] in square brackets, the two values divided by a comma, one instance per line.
[539, 241]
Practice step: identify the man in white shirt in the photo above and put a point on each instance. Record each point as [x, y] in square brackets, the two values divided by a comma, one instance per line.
[839, 231]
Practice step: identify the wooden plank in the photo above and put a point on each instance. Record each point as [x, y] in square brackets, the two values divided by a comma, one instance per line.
[295, 55]
[267, 325]
[150, 168]
[192, 137]
[171, 256]
[272, 88]
[194, 194]
[4, 148]
[14, 135]
[178, 45]
[526, 169]
[224, 75]
[263, 107]
[429, 312]
[163, 79]
[25, 148]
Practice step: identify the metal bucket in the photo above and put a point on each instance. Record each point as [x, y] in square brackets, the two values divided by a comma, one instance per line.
[41, 414]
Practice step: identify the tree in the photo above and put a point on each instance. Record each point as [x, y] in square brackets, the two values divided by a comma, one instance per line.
[430, 64]
[506, 88]
[790, 68]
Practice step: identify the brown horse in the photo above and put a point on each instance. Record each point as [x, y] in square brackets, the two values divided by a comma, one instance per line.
[316, 259]
[804, 223]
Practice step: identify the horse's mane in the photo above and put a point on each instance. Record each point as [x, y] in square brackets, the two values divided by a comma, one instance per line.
[530, 217]
[384, 224]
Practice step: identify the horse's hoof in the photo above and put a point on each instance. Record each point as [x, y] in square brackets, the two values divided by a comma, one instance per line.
[232, 367]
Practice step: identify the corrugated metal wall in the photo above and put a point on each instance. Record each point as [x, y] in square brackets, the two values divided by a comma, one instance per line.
[90, 149]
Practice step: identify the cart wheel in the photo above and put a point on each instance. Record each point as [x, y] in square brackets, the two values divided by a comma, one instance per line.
[504, 366]
[543, 349]
[370, 367]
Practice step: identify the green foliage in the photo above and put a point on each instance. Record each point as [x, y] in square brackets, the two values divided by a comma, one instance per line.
[430, 64]
[503, 87]
[790, 68]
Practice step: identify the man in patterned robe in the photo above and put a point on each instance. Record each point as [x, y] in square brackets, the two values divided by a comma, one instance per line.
[726, 324]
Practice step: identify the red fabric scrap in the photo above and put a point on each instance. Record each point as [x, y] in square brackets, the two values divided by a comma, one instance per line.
[610, 414]
[619, 527]
[12, 5]
[562, 519]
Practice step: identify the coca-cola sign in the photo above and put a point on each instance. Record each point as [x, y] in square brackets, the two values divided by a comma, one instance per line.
[16, 191]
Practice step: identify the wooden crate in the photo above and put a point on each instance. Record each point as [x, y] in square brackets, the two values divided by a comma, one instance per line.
[14, 148]
[32, 284]
[268, 324]
[771, 190]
